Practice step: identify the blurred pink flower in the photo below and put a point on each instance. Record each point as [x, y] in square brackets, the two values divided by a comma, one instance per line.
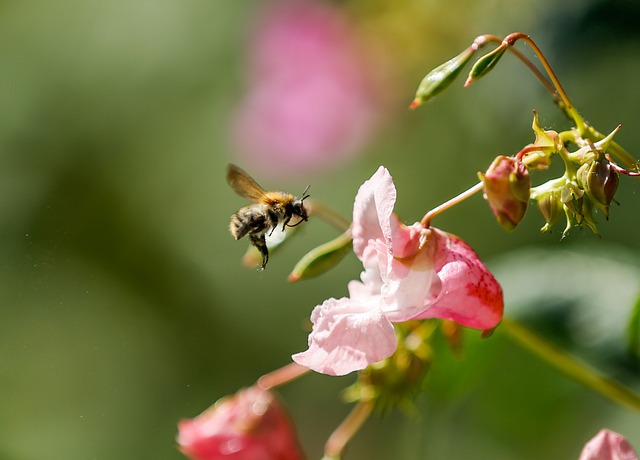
[410, 272]
[311, 100]
[608, 445]
[250, 425]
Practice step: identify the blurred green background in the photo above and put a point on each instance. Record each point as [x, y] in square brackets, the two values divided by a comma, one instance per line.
[124, 305]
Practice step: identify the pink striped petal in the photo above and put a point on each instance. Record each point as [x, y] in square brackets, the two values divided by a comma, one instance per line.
[470, 295]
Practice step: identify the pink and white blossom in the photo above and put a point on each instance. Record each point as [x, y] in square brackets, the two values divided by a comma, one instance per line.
[608, 445]
[410, 272]
[250, 425]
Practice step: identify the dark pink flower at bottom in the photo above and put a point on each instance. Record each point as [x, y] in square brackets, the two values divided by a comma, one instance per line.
[250, 425]
[608, 445]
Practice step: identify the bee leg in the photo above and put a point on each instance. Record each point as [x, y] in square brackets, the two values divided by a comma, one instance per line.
[272, 218]
[286, 221]
[259, 242]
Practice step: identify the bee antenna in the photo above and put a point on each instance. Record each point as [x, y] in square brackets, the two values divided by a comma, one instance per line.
[304, 194]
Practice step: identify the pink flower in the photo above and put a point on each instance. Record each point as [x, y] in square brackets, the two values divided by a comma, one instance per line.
[311, 99]
[251, 425]
[607, 445]
[409, 273]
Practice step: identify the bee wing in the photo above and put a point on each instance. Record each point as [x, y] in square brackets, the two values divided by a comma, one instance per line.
[243, 184]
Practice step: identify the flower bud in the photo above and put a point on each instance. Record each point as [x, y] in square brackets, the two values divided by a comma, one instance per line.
[248, 425]
[551, 208]
[485, 64]
[608, 445]
[439, 78]
[507, 188]
[322, 258]
[600, 181]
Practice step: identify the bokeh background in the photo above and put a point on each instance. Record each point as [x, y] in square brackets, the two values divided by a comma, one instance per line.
[124, 304]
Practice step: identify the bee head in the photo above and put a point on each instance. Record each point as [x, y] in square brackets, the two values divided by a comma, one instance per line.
[298, 206]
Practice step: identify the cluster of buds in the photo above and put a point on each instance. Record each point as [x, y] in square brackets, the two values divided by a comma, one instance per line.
[591, 176]
[589, 183]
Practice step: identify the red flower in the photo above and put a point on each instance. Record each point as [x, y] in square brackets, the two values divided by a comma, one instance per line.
[250, 425]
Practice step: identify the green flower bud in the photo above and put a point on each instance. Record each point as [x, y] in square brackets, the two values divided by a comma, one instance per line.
[585, 217]
[507, 188]
[551, 208]
[485, 64]
[441, 77]
[578, 208]
[322, 258]
[600, 181]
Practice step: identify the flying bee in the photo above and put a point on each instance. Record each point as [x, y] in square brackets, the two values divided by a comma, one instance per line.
[268, 211]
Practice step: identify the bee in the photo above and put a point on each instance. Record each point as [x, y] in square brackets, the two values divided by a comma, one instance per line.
[269, 210]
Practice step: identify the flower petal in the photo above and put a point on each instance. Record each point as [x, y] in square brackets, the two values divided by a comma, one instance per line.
[608, 445]
[250, 424]
[372, 210]
[470, 295]
[408, 283]
[347, 336]
[406, 241]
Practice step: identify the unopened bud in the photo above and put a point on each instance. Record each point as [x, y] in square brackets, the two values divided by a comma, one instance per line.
[600, 180]
[250, 424]
[439, 78]
[551, 208]
[322, 258]
[485, 64]
[507, 187]
[578, 208]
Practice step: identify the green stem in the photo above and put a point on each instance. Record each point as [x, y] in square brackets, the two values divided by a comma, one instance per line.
[566, 105]
[426, 220]
[327, 214]
[570, 366]
[526, 61]
[348, 428]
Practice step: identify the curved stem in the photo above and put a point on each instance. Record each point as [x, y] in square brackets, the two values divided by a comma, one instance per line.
[426, 220]
[532, 67]
[533, 148]
[570, 366]
[327, 214]
[566, 105]
[281, 376]
[347, 429]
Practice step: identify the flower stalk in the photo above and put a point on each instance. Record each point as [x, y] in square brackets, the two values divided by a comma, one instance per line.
[346, 430]
[280, 376]
[570, 366]
[426, 220]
